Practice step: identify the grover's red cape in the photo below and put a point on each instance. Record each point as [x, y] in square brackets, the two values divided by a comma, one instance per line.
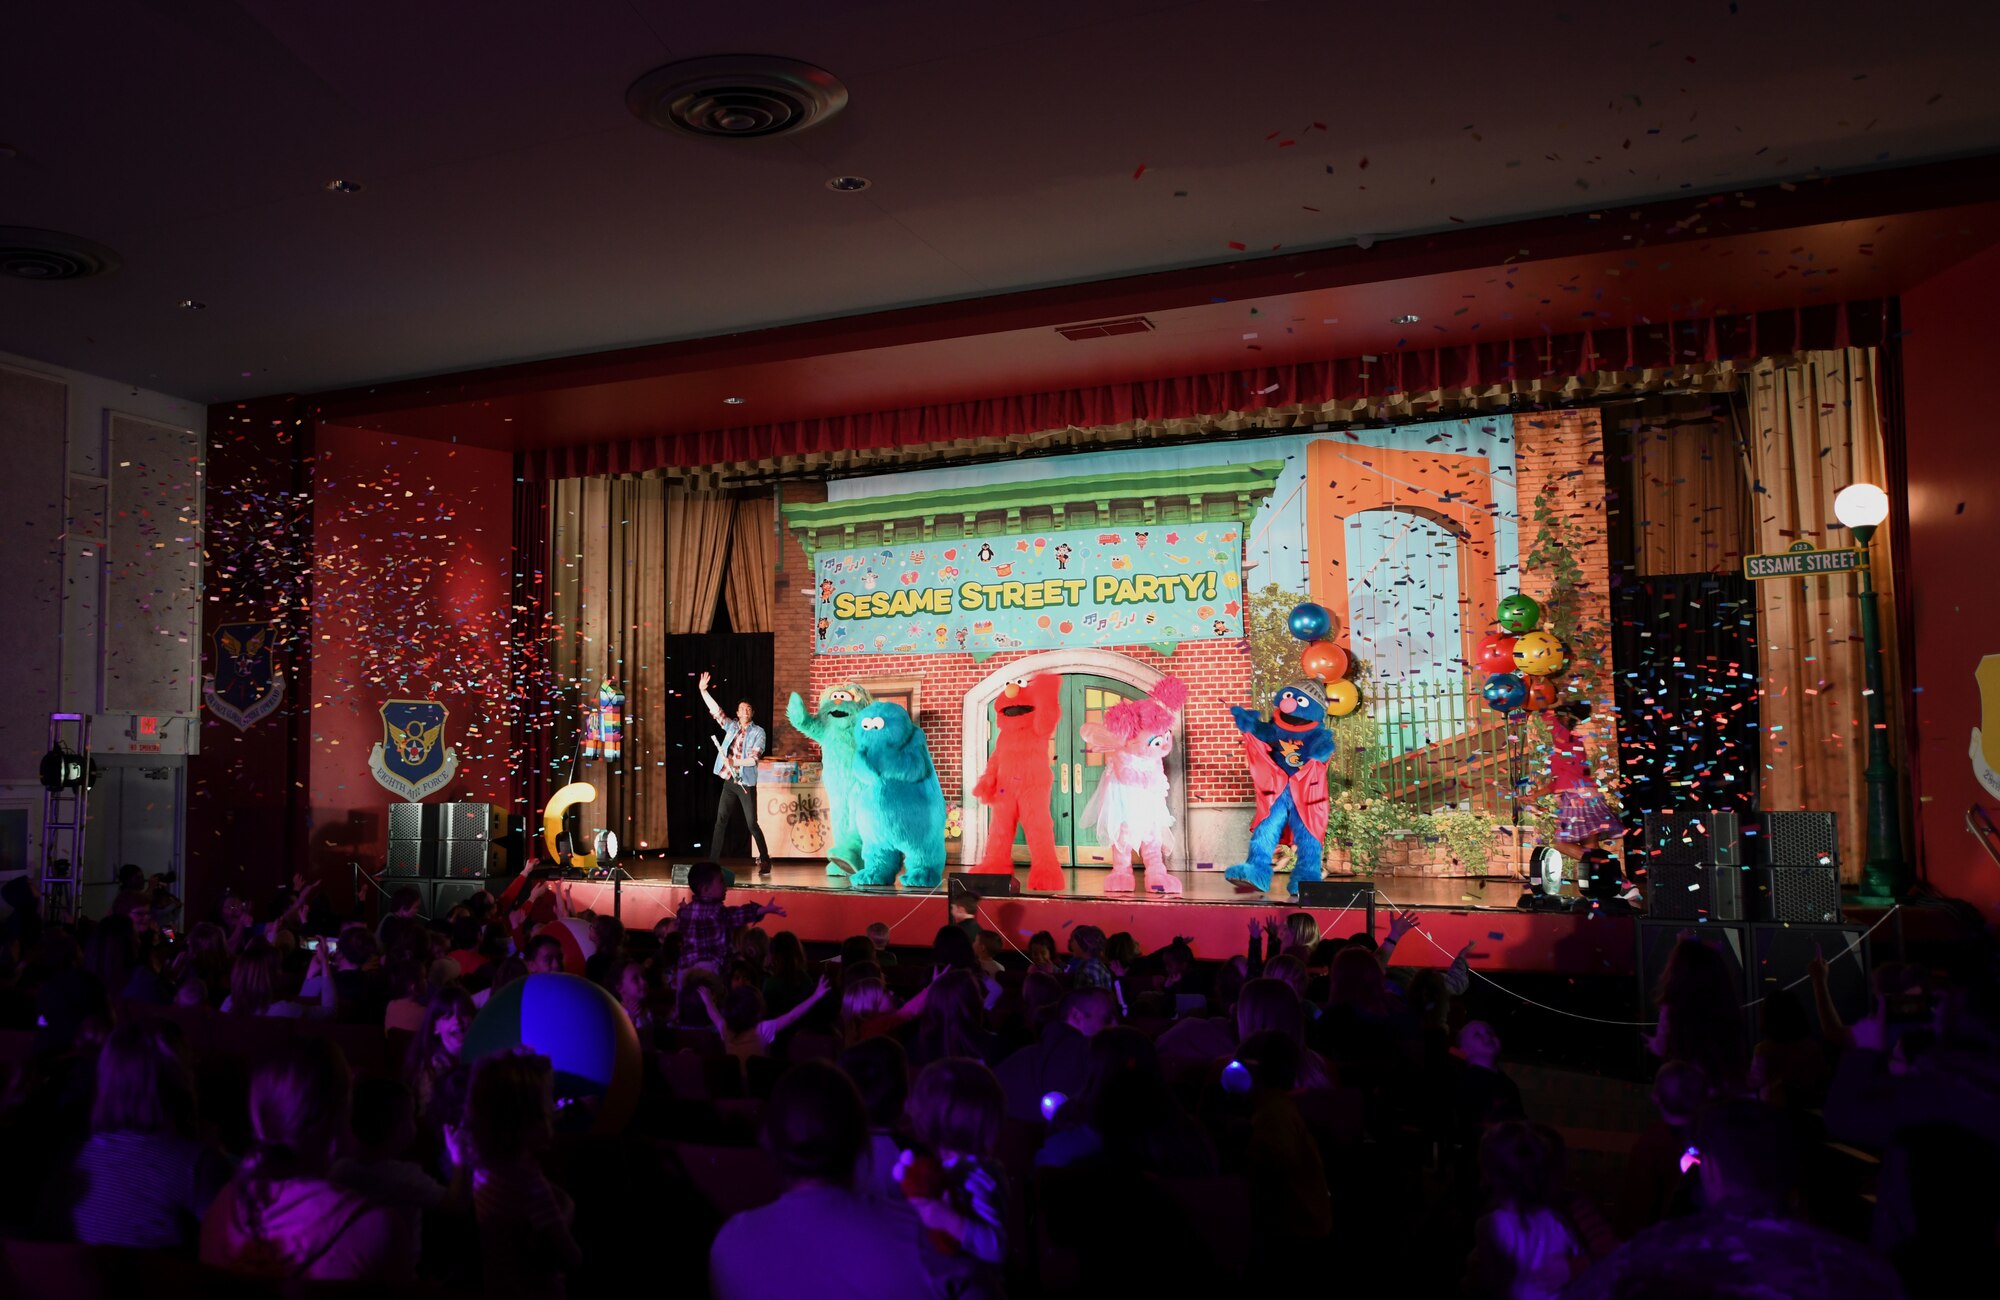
[1308, 786]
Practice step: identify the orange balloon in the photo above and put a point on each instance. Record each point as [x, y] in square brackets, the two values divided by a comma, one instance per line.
[1541, 694]
[1326, 661]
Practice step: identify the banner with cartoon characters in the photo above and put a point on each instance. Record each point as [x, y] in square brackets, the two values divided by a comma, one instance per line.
[1156, 585]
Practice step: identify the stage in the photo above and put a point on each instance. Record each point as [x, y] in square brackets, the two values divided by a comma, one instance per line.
[1455, 911]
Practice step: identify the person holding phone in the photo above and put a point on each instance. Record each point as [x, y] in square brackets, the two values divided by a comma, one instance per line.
[736, 756]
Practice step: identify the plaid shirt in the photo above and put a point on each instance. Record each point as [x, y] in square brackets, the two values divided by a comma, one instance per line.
[1089, 973]
[706, 930]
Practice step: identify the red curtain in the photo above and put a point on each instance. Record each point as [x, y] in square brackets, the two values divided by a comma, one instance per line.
[1551, 356]
[534, 727]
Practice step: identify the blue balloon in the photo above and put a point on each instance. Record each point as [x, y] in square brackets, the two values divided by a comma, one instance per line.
[1505, 691]
[1310, 621]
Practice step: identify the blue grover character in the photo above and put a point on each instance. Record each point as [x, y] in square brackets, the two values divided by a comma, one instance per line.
[1287, 758]
[899, 807]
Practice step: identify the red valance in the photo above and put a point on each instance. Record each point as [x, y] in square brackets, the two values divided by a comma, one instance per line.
[1463, 366]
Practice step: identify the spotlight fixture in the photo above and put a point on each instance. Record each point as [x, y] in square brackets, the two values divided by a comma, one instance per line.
[343, 187]
[734, 401]
[849, 184]
[62, 769]
[192, 304]
[604, 846]
[1409, 319]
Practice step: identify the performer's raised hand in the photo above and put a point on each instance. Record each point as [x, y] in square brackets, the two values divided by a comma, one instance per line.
[704, 681]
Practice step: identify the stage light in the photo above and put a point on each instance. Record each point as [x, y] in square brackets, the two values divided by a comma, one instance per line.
[1861, 505]
[1052, 1102]
[62, 769]
[604, 846]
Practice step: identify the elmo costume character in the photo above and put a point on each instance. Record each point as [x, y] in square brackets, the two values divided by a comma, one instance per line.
[1017, 780]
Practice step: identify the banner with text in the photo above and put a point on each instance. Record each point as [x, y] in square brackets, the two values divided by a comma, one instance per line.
[1082, 586]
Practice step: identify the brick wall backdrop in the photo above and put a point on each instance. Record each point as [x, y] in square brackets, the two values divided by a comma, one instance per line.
[792, 627]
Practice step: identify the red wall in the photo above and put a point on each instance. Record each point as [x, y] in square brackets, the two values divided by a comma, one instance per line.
[1954, 536]
[412, 561]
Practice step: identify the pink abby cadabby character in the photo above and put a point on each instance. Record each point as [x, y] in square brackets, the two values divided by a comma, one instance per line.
[1129, 808]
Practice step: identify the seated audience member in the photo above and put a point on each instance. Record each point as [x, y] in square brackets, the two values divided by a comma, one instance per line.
[144, 1179]
[788, 980]
[466, 945]
[438, 1048]
[409, 996]
[607, 935]
[822, 1238]
[385, 1130]
[1087, 969]
[952, 1022]
[878, 938]
[1483, 1095]
[361, 989]
[855, 950]
[865, 1008]
[1042, 953]
[1290, 1205]
[1123, 1117]
[1271, 1005]
[1656, 1187]
[881, 1073]
[524, 1220]
[281, 1217]
[742, 1025]
[1747, 1241]
[254, 984]
[1790, 1066]
[504, 972]
[1059, 1060]
[401, 920]
[1700, 1007]
[951, 1177]
[544, 955]
[631, 983]
[987, 948]
[1525, 1247]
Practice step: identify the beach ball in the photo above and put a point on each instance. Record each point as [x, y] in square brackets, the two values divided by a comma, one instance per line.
[578, 944]
[1539, 654]
[1342, 698]
[1324, 660]
[585, 1034]
[1310, 621]
[1518, 613]
[1505, 691]
[1495, 654]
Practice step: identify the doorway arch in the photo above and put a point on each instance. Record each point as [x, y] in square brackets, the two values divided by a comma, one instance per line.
[976, 726]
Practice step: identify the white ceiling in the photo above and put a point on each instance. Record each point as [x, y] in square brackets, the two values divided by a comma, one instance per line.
[513, 209]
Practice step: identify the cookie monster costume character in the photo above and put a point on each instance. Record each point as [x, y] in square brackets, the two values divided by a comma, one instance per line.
[832, 729]
[1017, 780]
[1287, 757]
[898, 804]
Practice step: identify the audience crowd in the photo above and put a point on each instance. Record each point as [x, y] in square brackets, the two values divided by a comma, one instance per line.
[276, 1097]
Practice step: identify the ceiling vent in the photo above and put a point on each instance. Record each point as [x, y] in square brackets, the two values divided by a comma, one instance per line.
[1104, 329]
[736, 96]
[27, 254]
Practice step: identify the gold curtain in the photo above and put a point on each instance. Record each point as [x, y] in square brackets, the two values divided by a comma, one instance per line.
[1814, 428]
[1692, 498]
[753, 558]
[608, 594]
[696, 547]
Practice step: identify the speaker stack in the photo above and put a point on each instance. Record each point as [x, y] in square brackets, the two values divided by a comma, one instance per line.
[1694, 866]
[449, 850]
[1795, 876]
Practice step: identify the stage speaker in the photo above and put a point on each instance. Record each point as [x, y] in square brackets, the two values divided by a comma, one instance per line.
[447, 894]
[1693, 891]
[1694, 838]
[1780, 955]
[1800, 839]
[467, 859]
[1339, 896]
[470, 821]
[1794, 894]
[679, 876]
[412, 821]
[412, 859]
[983, 885]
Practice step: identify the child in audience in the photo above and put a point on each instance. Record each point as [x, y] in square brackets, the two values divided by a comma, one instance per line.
[1042, 953]
[951, 1177]
[385, 1129]
[741, 1024]
[1087, 969]
[881, 1072]
[524, 1219]
[987, 947]
[707, 929]
[1525, 1247]
[878, 936]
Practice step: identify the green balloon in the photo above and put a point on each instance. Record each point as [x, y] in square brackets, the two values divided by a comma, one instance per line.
[1518, 614]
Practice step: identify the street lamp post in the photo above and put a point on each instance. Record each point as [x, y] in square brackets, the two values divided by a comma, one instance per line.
[1862, 507]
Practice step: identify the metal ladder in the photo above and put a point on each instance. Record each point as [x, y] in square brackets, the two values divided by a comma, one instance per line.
[64, 812]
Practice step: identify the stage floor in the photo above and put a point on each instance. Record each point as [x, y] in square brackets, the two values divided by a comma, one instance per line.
[820, 908]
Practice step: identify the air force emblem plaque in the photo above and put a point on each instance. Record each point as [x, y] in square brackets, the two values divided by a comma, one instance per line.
[412, 760]
[1986, 736]
[246, 688]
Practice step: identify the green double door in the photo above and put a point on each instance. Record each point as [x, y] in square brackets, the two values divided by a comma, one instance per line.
[1076, 770]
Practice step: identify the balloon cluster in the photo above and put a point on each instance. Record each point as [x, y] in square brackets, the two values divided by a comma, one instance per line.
[1315, 625]
[1520, 658]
